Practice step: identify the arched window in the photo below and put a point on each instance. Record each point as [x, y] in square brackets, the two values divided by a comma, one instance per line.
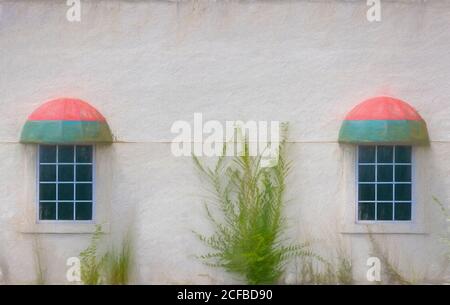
[66, 131]
[385, 131]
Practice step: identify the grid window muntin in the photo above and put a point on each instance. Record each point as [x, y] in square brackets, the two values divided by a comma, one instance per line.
[73, 182]
[392, 201]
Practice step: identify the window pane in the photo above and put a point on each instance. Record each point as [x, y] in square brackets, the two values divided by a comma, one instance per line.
[84, 191]
[403, 192]
[403, 211]
[366, 154]
[366, 192]
[384, 192]
[65, 211]
[366, 173]
[385, 173]
[366, 211]
[47, 211]
[403, 173]
[65, 154]
[84, 172]
[47, 191]
[65, 172]
[84, 154]
[47, 173]
[65, 191]
[83, 211]
[403, 154]
[384, 211]
[385, 154]
[47, 153]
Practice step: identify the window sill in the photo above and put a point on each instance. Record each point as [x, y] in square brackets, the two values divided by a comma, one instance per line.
[383, 228]
[60, 228]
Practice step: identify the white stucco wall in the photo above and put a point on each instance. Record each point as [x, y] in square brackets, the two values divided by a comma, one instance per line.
[146, 64]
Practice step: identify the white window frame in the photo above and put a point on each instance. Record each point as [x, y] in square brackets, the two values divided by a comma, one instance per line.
[413, 186]
[93, 164]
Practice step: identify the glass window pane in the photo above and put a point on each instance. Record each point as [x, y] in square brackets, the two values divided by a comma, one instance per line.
[366, 192]
[403, 173]
[366, 154]
[84, 172]
[84, 191]
[385, 173]
[384, 192]
[47, 191]
[65, 154]
[84, 154]
[403, 211]
[366, 211]
[65, 211]
[47, 153]
[403, 192]
[65, 172]
[403, 154]
[47, 172]
[65, 191]
[366, 173]
[83, 211]
[385, 154]
[47, 211]
[384, 211]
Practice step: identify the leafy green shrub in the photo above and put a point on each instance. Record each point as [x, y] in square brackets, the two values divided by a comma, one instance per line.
[91, 262]
[118, 264]
[339, 273]
[112, 268]
[249, 226]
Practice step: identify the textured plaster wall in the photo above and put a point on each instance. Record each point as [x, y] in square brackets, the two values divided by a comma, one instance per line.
[145, 64]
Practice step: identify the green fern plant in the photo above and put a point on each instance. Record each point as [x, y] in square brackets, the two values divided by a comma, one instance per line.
[91, 262]
[249, 225]
[118, 263]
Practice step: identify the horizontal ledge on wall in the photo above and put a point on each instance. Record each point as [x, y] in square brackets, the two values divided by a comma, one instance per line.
[61, 228]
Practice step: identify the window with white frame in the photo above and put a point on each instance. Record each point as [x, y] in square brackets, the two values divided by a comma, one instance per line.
[385, 184]
[65, 190]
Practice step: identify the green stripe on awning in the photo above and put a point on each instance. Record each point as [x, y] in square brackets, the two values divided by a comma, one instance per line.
[66, 132]
[384, 132]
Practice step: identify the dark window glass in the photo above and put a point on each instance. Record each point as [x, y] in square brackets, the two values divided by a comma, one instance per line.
[403, 154]
[65, 191]
[84, 191]
[385, 154]
[84, 172]
[47, 191]
[403, 173]
[65, 177]
[384, 211]
[384, 182]
[403, 211]
[84, 154]
[47, 211]
[47, 153]
[403, 192]
[65, 154]
[385, 173]
[65, 211]
[83, 211]
[384, 192]
[366, 192]
[366, 173]
[47, 172]
[366, 154]
[65, 172]
[366, 211]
